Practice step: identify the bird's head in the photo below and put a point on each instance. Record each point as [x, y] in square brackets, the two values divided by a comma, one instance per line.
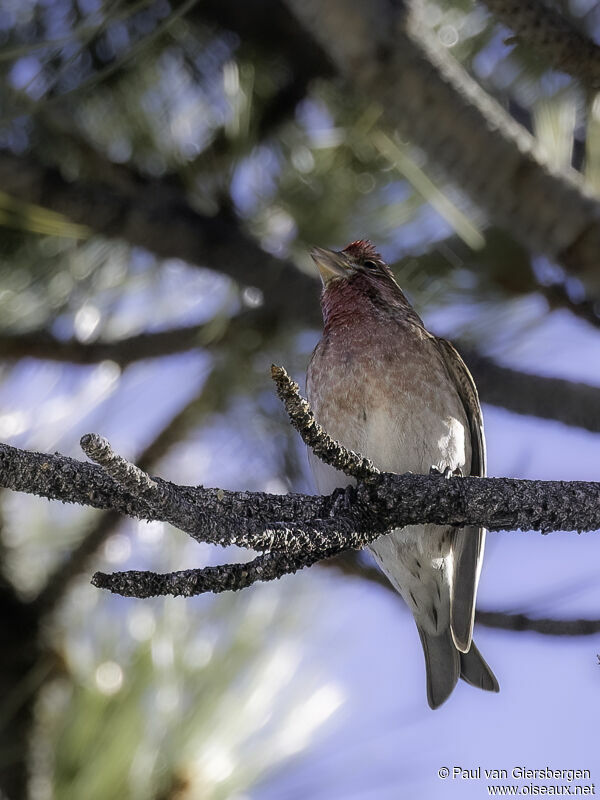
[356, 280]
[358, 257]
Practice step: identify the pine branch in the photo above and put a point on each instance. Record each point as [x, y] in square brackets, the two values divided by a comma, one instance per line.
[155, 214]
[557, 399]
[191, 582]
[547, 626]
[552, 36]
[350, 564]
[296, 530]
[43, 344]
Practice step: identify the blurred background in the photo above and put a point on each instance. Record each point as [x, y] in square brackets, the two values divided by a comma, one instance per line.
[164, 168]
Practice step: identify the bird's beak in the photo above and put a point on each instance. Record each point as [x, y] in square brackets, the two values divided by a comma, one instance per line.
[330, 263]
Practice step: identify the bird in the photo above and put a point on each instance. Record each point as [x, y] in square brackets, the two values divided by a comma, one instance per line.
[382, 385]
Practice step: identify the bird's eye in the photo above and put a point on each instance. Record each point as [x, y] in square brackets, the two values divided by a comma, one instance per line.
[370, 265]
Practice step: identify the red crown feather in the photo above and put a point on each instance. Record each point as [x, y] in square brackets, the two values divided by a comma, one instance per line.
[362, 248]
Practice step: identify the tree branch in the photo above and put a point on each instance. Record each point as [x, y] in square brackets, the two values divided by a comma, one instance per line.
[298, 530]
[44, 345]
[565, 401]
[191, 582]
[544, 625]
[313, 435]
[553, 36]
[350, 564]
[250, 519]
[395, 501]
[548, 398]
[156, 215]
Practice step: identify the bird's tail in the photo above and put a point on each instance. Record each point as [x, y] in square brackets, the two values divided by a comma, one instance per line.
[476, 672]
[442, 662]
[445, 664]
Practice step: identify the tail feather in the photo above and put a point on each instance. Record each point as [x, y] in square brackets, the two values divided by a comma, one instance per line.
[442, 663]
[476, 672]
[467, 551]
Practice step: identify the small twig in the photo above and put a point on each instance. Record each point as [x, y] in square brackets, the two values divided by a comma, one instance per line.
[313, 435]
[178, 506]
[221, 578]
[546, 626]
[130, 477]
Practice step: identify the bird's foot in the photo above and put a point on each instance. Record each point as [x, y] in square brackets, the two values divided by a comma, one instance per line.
[448, 472]
[343, 498]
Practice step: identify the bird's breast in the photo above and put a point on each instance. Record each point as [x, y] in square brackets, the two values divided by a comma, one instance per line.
[391, 400]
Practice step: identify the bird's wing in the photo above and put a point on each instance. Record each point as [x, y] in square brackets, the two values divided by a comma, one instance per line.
[468, 543]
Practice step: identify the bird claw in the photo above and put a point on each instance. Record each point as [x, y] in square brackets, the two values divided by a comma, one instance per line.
[447, 473]
[344, 498]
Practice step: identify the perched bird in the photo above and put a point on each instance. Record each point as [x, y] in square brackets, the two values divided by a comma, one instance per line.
[382, 385]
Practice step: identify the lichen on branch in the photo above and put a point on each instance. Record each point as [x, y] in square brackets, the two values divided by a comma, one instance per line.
[291, 531]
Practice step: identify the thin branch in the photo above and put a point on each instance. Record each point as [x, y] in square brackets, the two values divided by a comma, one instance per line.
[191, 582]
[351, 564]
[548, 398]
[543, 29]
[313, 435]
[45, 345]
[544, 625]
[565, 401]
[220, 329]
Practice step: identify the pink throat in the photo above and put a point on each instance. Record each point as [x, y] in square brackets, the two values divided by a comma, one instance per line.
[351, 302]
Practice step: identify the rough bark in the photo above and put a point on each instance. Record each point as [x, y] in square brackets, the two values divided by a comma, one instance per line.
[301, 529]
